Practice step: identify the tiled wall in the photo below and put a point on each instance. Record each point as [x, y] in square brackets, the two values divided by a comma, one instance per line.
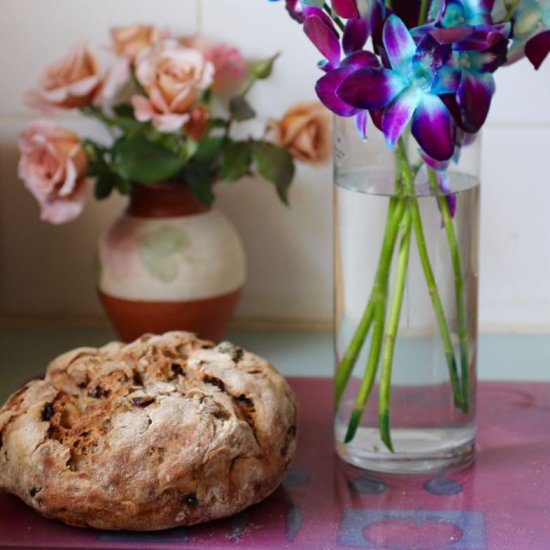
[48, 271]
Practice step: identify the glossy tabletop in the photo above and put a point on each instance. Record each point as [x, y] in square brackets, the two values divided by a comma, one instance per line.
[501, 502]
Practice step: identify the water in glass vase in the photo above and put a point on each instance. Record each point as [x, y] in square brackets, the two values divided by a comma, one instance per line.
[431, 408]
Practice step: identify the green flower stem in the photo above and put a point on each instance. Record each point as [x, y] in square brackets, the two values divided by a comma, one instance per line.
[349, 359]
[510, 6]
[379, 299]
[423, 13]
[333, 16]
[437, 304]
[459, 289]
[346, 364]
[393, 325]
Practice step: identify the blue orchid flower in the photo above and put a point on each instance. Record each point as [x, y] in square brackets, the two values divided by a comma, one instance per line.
[531, 31]
[408, 91]
[458, 13]
[477, 51]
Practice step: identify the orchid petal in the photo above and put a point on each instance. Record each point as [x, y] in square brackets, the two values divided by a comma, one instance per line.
[474, 96]
[322, 34]
[436, 9]
[398, 43]
[398, 114]
[450, 35]
[443, 183]
[434, 128]
[361, 59]
[326, 87]
[446, 81]
[361, 122]
[371, 88]
[355, 35]
[432, 163]
[484, 37]
[326, 91]
[431, 54]
[537, 48]
[346, 8]
[376, 116]
[295, 10]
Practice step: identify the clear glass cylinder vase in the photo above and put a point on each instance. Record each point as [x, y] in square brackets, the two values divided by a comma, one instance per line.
[406, 279]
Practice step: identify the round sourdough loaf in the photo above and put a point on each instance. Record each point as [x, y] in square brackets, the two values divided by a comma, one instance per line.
[168, 430]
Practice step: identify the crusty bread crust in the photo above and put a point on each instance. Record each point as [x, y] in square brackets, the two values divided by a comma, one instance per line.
[166, 431]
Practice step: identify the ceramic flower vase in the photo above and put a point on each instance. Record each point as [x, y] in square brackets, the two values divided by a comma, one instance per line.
[168, 262]
[406, 272]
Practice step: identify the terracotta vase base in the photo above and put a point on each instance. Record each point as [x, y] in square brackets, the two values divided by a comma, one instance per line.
[207, 318]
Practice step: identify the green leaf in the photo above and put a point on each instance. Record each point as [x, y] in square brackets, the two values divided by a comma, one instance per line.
[139, 160]
[124, 110]
[198, 179]
[264, 68]
[166, 139]
[240, 108]
[275, 164]
[104, 186]
[208, 150]
[236, 160]
[123, 186]
[190, 147]
[128, 125]
[94, 151]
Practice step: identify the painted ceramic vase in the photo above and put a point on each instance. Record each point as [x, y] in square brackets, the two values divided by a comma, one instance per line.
[170, 263]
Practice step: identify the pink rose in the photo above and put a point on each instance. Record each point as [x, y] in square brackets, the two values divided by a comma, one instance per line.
[53, 167]
[71, 82]
[227, 60]
[130, 40]
[173, 76]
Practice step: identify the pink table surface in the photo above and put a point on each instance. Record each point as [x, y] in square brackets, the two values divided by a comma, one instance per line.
[502, 502]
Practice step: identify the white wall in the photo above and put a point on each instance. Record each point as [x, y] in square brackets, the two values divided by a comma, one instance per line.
[48, 271]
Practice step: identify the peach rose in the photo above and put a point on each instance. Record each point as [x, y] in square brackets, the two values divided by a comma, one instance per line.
[53, 167]
[196, 126]
[130, 40]
[172, 76]
[227, 60]
[71, 82]
[306, 132]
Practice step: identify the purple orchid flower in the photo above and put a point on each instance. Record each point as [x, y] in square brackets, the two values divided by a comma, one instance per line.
[320, 29]
[321, 32]
[408, 91]
[328, 85]
[477, 52]
[531, 32]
